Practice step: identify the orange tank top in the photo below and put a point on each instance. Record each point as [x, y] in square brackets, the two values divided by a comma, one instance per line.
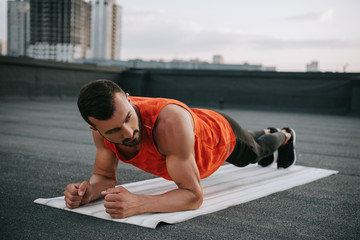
[214, 138]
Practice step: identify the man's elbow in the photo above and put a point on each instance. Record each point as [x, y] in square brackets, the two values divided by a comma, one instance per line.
[196, 201]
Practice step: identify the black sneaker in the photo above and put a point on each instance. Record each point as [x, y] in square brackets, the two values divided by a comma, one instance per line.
[266, 161]
[287, 153]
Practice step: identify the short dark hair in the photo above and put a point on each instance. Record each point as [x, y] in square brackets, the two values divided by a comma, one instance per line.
[96, 99]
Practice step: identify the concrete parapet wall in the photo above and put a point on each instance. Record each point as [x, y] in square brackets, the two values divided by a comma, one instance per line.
[316, 92]
[32, 79]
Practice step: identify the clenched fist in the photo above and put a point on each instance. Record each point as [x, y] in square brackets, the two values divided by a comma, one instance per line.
[120, 203]
[77, 194]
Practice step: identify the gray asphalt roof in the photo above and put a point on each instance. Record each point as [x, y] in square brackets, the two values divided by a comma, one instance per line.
[45, 145]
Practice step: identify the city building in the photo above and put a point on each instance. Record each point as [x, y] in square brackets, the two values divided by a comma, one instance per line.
[218, 59]
[312, 67]
[194, 64]
[106, 29]
[60, 30]
[18, 27]
[3, 47]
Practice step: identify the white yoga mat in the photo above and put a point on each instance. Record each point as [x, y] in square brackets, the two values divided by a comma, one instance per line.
[227, 187]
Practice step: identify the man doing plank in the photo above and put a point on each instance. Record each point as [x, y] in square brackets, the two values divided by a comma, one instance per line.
[166, 138]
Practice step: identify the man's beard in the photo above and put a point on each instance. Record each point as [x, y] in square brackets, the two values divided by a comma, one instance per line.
[128, 143]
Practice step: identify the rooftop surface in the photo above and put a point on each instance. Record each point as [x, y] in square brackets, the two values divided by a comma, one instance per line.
[45, 145]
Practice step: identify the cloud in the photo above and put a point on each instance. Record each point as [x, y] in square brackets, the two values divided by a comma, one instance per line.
[325, 15]
[143, 13]
[153, 34]
[180, 37]
[268, 43]
[188, 36]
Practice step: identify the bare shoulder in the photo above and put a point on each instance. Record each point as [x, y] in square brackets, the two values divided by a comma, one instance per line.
[173, 117]
[174, 129]
[173, 112]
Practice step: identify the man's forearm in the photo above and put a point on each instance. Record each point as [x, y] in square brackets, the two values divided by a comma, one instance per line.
[100, 183]
[120, 203]
[172, 201]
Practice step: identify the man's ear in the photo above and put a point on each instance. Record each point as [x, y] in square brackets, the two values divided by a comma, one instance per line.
[92, 128]
[128, 97]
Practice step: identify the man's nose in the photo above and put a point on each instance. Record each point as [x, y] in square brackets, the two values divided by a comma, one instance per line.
[127, 131]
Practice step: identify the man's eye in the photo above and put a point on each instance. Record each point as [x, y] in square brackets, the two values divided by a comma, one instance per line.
[128, 118]
[113, 131]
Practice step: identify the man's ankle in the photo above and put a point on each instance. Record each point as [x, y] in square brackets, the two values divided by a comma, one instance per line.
[287, 136]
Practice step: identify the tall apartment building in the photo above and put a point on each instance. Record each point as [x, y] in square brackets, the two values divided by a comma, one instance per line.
[60, 30]
[106, 29]
[312, 67]
[18, 27]
[3, 47]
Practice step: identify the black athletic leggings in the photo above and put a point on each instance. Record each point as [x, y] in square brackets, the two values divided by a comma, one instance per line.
[252, 146]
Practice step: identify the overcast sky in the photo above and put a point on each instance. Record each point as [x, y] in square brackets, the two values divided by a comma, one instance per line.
[287, 34]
